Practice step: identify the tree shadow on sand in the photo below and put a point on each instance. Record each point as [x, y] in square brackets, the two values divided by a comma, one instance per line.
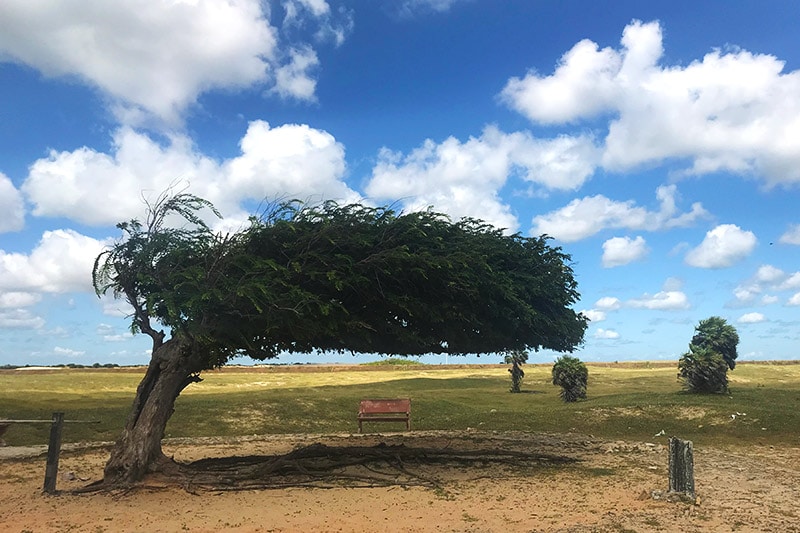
[323, 466]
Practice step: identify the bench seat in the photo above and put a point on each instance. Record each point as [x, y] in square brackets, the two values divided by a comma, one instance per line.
[384, 410]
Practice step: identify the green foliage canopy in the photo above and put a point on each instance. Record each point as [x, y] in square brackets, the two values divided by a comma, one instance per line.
[336, 277]
[715, 334]
[702, 370]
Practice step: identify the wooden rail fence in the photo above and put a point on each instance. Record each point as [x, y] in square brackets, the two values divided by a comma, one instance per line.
[53, 444]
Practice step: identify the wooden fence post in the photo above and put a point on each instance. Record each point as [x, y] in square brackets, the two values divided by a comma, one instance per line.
[681, 468]
[53, 451]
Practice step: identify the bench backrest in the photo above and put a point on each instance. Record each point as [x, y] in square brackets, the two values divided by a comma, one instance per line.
[401, 405]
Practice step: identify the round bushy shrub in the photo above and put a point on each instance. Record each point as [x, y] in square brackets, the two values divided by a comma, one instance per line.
[703, 370]
[571, 374]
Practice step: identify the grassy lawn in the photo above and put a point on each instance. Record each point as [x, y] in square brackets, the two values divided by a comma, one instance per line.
[625, 402]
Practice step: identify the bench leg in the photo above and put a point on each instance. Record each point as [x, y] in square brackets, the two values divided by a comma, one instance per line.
[360, 429]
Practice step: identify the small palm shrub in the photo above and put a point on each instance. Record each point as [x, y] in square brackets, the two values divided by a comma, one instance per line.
[571, 374]
[515, 359]
[703, 370]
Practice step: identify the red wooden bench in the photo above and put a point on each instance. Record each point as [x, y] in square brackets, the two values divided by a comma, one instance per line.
[385, 410]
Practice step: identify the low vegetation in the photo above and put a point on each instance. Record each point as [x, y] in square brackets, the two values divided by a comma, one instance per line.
[702, 370]
[394, 361]
[627, 401]
[516, 359]
[571, 374]
[712, 351]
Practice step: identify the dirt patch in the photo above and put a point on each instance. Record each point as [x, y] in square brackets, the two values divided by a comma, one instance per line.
[684, 413]
[607, 487]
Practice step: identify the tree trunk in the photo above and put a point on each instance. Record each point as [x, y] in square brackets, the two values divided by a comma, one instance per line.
[138, 450]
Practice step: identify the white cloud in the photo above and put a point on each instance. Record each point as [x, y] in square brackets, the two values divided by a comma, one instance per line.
[109, 334]
[290, 160]
[767, 277]
[595, 315]
[151, 59]
[119, 337]
[464, 179]
[582, 86]
[608, 303]
[61, 262]
[672, 284]
[147, 55]
[105, 329]
[331, 25]
[56, 332]
[769, 274]
[792, 235]
[588, 216]
[115, 307]
[293, 80]
[732, 110]
[293, 160]
[670, 298]
[318, 8]
[722, 247]
[80, 184]
[605, 334]
[67, 351]
[752, 318]
[619, 251]
[791, 282]
[746, 293]
[794, 300]
[661, 301]
[13, 299]
[410, 7]
[20, 319]
[12, 208]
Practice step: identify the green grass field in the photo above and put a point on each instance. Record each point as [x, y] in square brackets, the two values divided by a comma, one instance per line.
[630, 402]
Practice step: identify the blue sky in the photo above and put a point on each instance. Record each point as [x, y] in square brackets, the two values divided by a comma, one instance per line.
[658, 143]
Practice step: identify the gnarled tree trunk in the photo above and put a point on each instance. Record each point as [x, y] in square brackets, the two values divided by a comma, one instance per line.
[138, 450]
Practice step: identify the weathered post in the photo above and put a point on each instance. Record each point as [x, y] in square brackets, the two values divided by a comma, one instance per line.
[681, 468]
[53, 451]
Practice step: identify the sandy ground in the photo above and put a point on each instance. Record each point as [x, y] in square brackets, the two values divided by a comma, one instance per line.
[610, 489]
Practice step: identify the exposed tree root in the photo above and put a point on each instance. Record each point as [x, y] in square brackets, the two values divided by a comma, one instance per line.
[323, 466]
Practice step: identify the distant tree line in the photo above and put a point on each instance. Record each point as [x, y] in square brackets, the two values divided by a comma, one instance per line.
[62, 365]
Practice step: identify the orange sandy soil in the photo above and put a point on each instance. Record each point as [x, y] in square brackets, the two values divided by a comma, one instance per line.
[610, 488]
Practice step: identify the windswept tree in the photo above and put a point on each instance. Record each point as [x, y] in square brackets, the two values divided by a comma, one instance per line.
[704, 368]
[327, 277]
[715, 334]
